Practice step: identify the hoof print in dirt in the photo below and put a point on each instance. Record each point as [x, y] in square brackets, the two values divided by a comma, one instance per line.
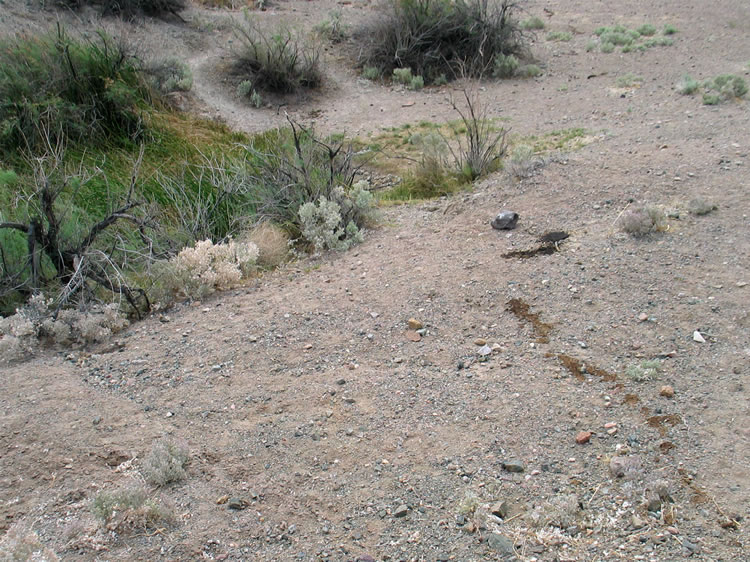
[505, 220]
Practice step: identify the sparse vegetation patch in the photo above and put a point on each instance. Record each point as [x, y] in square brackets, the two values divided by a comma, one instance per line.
[437, 38]
[280, 61]
[639, 39]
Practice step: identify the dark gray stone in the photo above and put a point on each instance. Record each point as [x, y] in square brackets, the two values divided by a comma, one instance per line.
[505, 220]
[502, 544]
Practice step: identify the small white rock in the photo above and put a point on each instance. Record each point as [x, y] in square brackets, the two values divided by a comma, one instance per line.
[697, 336]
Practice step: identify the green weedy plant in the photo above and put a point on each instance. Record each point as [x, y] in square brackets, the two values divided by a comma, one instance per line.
[646, 29]
[280, 62]
[669, 29]
[416, 83]
[70, 88]
[440, 37]
[628, 80]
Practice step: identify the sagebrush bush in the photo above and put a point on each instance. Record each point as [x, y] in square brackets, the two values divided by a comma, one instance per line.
[278, 61]
[169, 75]
[450, 38]
[505, 66]
[56, 87]
[130, 509]
[37, 323]
[727, 86]
[687, 85]
[165, 462]
[333, 223]
[293, 166]
[643, 220]
[198, 271]
[559, 36]
[532, 23]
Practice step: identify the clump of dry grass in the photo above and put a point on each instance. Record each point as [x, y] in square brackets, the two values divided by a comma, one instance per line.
[272, 242]
[643, 220]
[700, 206]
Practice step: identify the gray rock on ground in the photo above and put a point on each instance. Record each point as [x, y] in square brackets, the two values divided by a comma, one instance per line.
[505, 220]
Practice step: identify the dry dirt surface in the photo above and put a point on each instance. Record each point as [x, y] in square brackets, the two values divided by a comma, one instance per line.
[318, 429]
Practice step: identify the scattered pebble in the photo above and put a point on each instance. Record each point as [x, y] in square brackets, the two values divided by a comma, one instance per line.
[697, 336]
[514, 466]
[666, 391]
[401, 510]
[583, 437]
[415, 324]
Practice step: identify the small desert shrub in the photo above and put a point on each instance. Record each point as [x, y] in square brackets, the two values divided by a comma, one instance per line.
[532, 23]
[700, 207]
[505, 66]
[55, 87]
[646, 29]
[21, 544]
[645, 371]
[711, 99]
[370, 73]
[628, 80]
[481, 146]
[245, 89]
[658, 42]
[669, 29]
[272, 242]
[440, 37]
[559, 36]
[22, 332]
[616, 38]
[523, 162]
[402, 75]
[169, 75]
[198, 271]
[643, 220]
[333, 29]
[726, 86]
[416, 83]
[607, 47]
[529, 71]
[280, 61]
[332, 223]
[687, 85]
[130, 509]
[165, 463]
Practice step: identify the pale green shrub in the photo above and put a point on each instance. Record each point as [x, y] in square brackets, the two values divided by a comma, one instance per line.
[687, 85]
[505, 66]
[531, 23]
[331, 223]
[370, 73]
[645, 371]
[402, 75]
[165, 463]
[416, 83]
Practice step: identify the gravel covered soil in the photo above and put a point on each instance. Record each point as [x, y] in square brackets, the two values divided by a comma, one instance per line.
[424, 396]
